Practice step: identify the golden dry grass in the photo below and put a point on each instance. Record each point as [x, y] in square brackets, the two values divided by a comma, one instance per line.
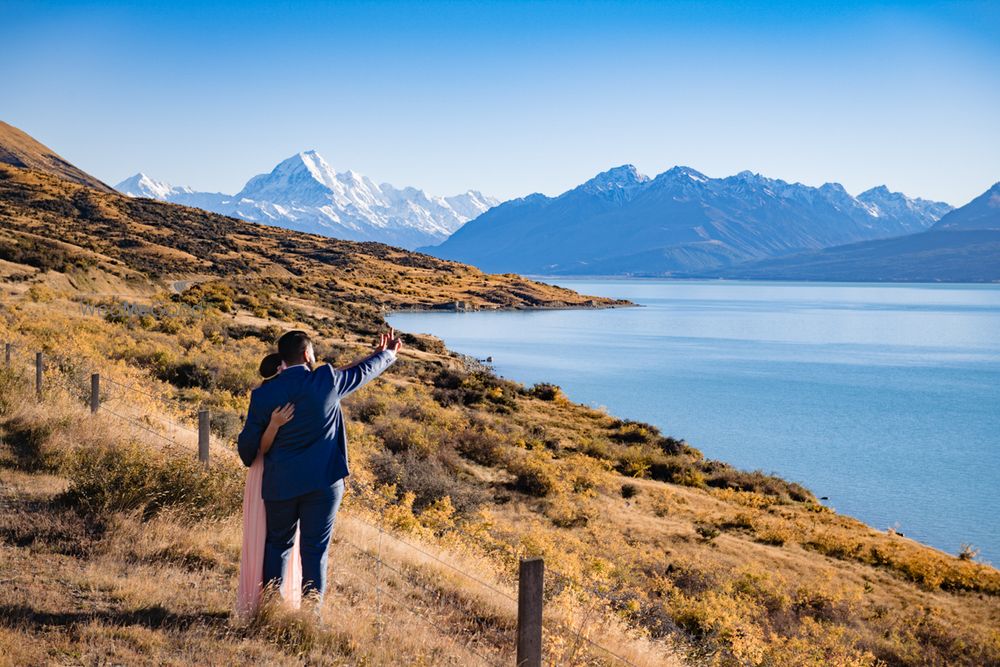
[90, 584]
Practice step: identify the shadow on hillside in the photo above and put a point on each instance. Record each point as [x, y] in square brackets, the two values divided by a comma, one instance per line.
[48, 526]
[22, 447]
[154, 618]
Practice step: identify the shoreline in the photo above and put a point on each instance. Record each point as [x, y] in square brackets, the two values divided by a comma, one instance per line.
[507, 309]
[765, 281]
[474, 364]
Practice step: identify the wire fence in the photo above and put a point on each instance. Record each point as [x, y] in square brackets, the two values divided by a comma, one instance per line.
[556, 582]
[110, 396]
[381, 563]
[143, 411]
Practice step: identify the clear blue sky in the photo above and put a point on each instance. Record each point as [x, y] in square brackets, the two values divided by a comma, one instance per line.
[513, 98]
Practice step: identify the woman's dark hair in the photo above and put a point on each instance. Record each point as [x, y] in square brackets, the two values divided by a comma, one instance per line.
[269, 365]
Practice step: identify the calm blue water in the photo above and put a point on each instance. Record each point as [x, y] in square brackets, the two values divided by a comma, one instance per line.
[885, 398]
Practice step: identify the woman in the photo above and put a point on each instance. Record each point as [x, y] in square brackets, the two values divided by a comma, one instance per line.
[249, 591]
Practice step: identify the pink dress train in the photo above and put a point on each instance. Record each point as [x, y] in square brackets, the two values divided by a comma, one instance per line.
[252, 557]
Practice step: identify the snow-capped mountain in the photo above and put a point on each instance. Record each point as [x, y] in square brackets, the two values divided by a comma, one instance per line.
[142, 185]
[885, 204]
[618, 184]
[682, 221]
[306, 194]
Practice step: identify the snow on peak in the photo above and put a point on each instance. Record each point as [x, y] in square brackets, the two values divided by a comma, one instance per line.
[305, 193]
[883, 202]
[615, 179]
[142, 185]
[683, 174]
[317, 166]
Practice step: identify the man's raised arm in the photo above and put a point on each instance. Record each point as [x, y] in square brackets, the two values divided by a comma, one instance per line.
[350, 378]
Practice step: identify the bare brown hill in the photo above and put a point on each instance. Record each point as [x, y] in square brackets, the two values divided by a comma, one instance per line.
[21, 150]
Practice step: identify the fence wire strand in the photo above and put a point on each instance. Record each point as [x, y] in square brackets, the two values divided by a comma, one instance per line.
[137, 424]
[381, 563]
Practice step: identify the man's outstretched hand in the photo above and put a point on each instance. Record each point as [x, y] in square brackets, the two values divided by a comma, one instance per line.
[395, 342]
[389, 341]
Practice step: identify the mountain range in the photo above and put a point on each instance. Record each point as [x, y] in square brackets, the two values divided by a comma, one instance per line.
[623, 222]
[305, 194]
[681, 223]
[963, 246]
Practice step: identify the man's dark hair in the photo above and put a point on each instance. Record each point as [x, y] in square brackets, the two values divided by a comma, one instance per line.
[292, 346]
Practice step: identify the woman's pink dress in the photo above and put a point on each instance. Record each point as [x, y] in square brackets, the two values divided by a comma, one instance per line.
[252, 558]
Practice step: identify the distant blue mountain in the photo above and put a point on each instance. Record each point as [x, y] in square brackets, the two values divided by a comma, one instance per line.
[963, 246]
[622, 222]
[983, 212]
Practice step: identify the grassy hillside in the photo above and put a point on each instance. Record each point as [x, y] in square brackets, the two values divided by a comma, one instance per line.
[661, 554]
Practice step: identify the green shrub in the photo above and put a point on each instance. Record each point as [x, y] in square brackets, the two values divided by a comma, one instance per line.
[533, 476]
[428, 479]
[723, 476]
[129, 477]
[707, 532]
[188, 374]
[42, 254]
[481, 445]
[424, 343]
[268, 334]
[546, 391]
[216, 294]
[598, 448]
[479, 388]
[634, 462]
[633, 432]
[399, 434]
[584, 484]
[670, 445]
[226, 424]
[367, 408]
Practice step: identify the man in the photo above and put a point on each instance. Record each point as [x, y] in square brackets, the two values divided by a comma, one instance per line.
[304, 469]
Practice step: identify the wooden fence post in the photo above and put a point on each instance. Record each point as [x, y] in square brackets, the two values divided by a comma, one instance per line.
[530, 580]
[39, 365]
[6, 353]
[95, 393]
[204, 435]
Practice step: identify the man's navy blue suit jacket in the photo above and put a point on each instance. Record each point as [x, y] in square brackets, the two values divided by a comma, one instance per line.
[309, 452]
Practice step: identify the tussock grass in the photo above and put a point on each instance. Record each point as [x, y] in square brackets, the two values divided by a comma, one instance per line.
[131, 476]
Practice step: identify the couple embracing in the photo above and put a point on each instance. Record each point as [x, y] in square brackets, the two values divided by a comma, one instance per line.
[295, 444]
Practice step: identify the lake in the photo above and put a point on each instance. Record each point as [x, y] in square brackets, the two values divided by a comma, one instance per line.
[884, 398]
